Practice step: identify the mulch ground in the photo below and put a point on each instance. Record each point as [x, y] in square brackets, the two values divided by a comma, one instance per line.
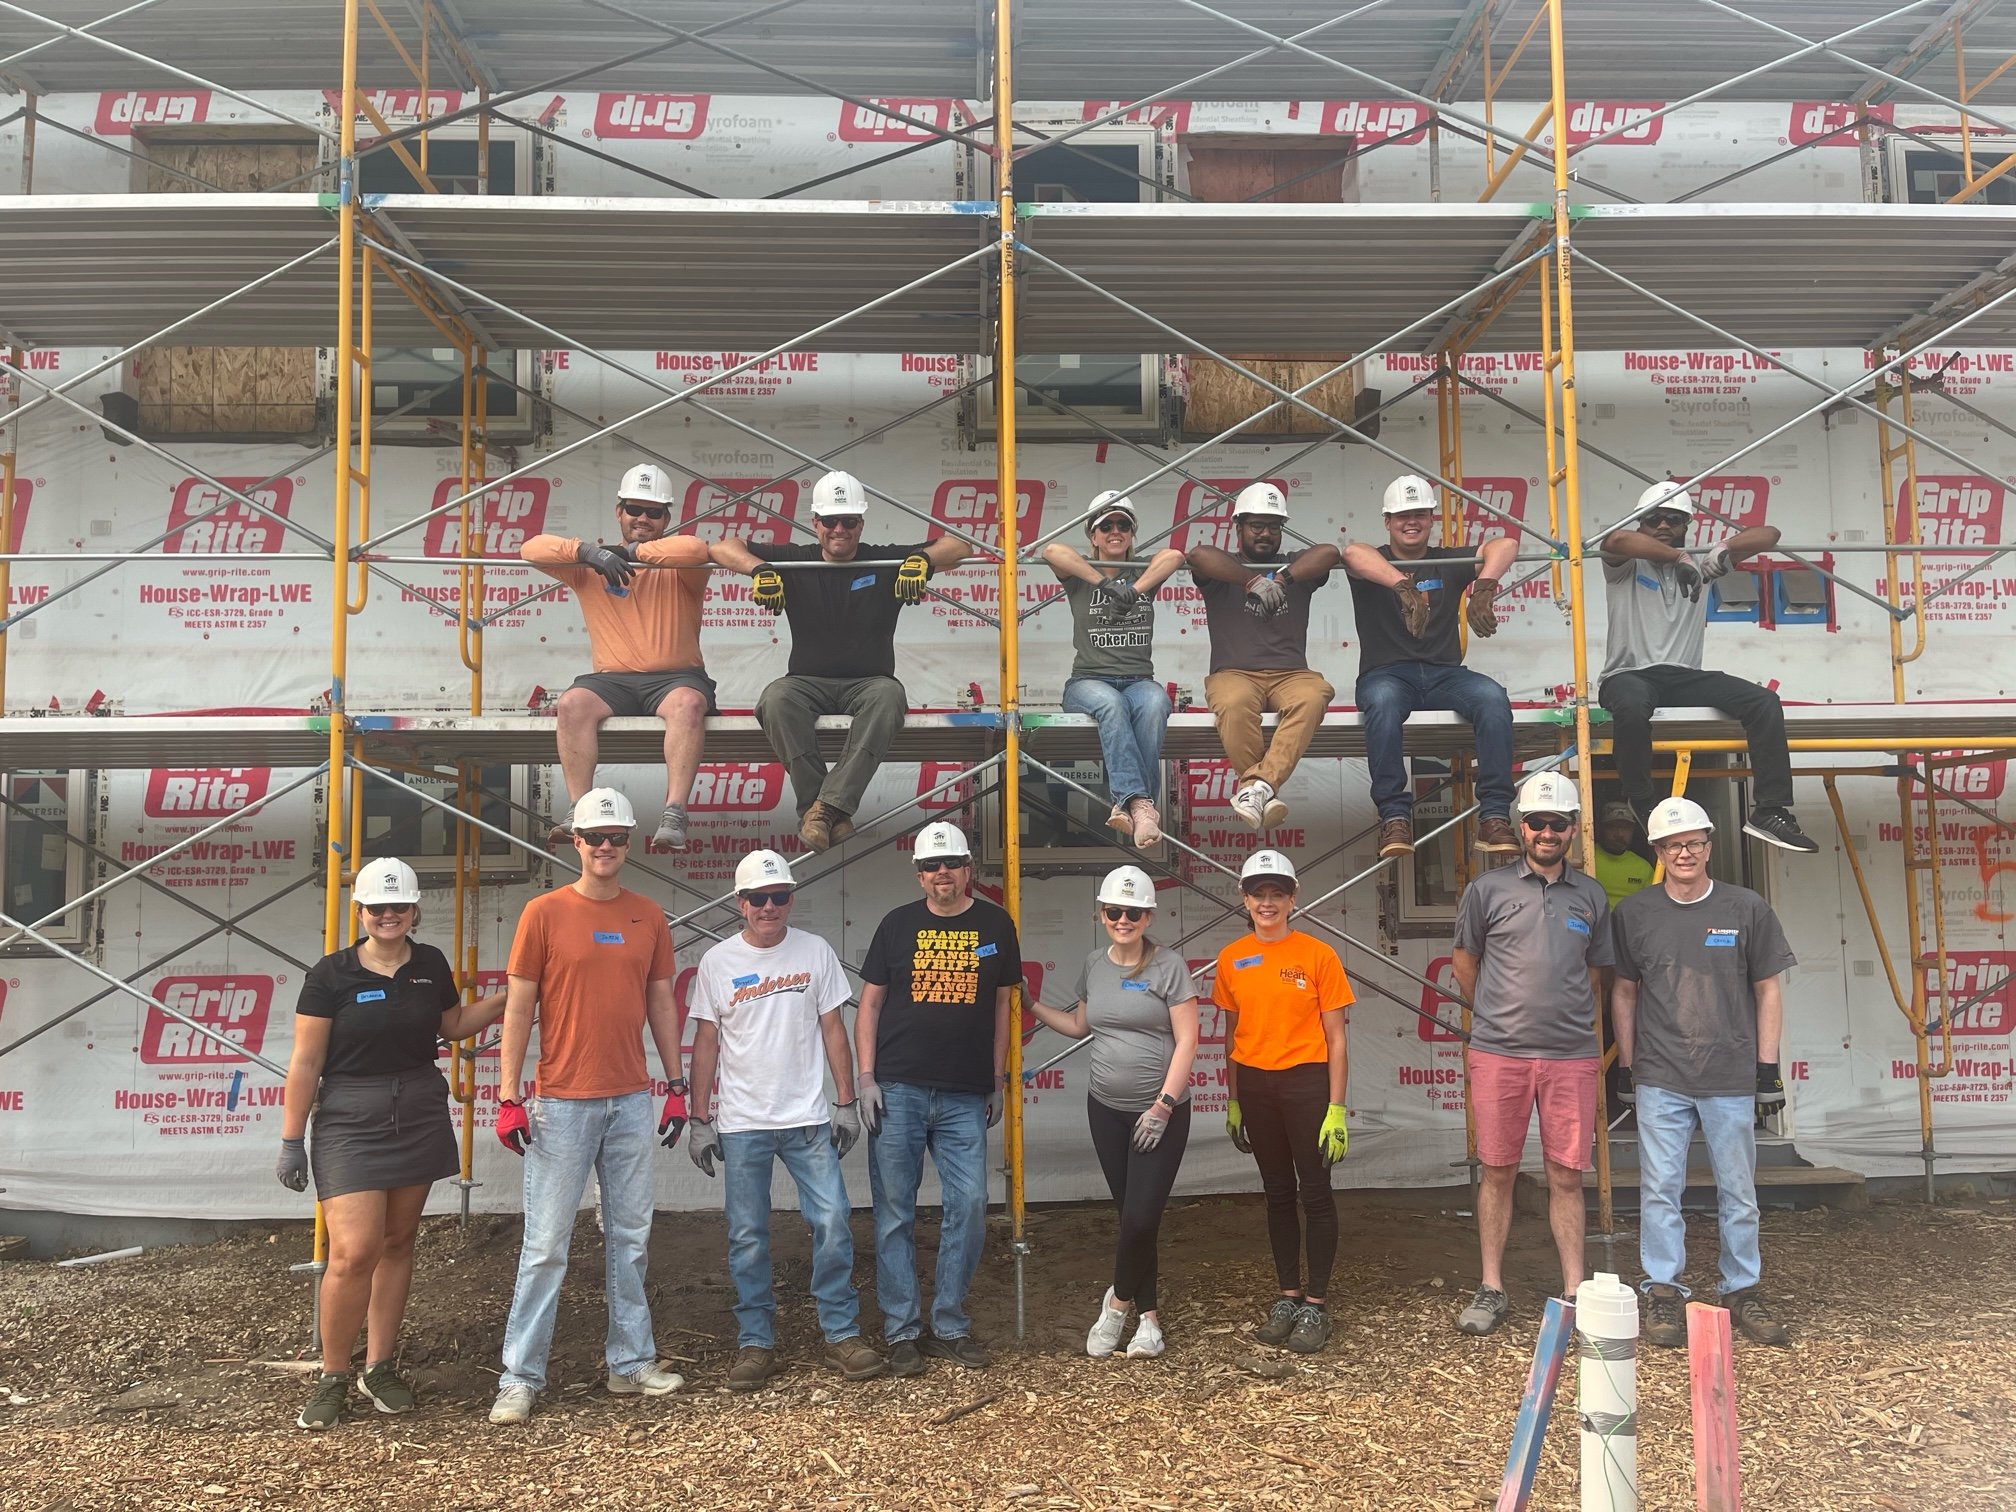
[151, 1383]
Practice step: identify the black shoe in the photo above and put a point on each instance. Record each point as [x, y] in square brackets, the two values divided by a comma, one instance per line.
[1752, 1316]
[905, 1358]
[1280, 1322]
[1312, 1329]
[965, 1349]
[1776, 826]
[1665, 1314]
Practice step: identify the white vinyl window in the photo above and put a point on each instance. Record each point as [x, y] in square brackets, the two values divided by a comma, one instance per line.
[43, 864]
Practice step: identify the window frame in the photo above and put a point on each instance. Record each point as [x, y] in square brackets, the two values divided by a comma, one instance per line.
[77, 929]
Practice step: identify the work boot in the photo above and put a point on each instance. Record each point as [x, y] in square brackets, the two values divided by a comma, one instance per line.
[1147, 822]
[1396, 838]
[842, 826]
[1752, 1316]
[905, 1358]
[1495, 837]
[1121, 821]
[1486, 1311]
[1665, 1314]
[816, 828]
[753, 1368]
[388, 1390]
[1280, 1322]
[854, 1359]
[1776, 826]
[329, 1405]
[1312, 1329]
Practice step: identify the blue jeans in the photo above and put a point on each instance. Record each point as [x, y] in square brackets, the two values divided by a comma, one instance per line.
[1666, 1122]
[1132, 714]
[613, 1136]
[747, 1160]
[952, 1126]
[1385, 699]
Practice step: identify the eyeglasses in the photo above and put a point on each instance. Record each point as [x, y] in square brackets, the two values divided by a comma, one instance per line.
[840, 522]
[1113, 523]
[767, 899]
[1554, 824]
[379, 910]
[596, 839]
[1682, 847]
[1131, 915]
[646, 511]
[925, 868]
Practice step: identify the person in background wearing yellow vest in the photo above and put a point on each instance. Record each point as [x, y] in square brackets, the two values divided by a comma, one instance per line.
[1620, 863]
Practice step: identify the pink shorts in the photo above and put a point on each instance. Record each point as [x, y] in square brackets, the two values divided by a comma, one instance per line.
[1503, 1092]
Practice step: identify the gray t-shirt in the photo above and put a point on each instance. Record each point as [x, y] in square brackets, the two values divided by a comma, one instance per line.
[1110, 641]
[1132, 1043]
[1652, 624]
[1247, 643]
[1534, 941]
[1694, 964]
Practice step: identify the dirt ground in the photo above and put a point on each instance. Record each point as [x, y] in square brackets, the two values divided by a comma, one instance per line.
[139, 1384]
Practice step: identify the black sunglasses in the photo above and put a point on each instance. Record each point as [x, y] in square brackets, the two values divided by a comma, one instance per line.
[379, 910]
[1114, 522]
[1552, 823]
[1131, 915]
[646, 511]
[596, 839]
[1671, 517]
[767, 899]
[840, 522]
[925, 868]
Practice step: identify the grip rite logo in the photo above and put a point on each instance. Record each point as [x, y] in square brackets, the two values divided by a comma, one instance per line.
[658, 117]
[1956, 509]
[205, 518]
[1175, 114]
[1589, 119]
[122, 110]
[204, 792]
[1373, 121]
[1211, 784]
[1204, 512]
[1441, 969]
[973, 505]
[763, 518]
[1506, 494]
[1741, 499]
[24, 490]
[397, 107]
[911, 121]
[1972, 971]
[505, 516]
[1813, 120]
[931, 774]
[738, 787]
[236, 1007]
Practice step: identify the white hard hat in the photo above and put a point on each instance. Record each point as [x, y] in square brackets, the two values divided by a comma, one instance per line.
[1408, 491]
[604, 808]
[1667, 495]
[1128, 885]
[942, 840]
[646, 481]
[1267, 865]
[1261, 499]
[1111, 501]
[838, 493]
[1675, 816]
[389, 880]
[762, 869]
[1549, 793]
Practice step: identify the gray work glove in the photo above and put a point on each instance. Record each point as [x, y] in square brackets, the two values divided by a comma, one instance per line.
[292, 1166]
[870, 1103]
[1690, 579]
[846, 1127]
[1266, 596]
[997, 1101]
[703, 1143]
[614, 563]
[1151, 1126]
[1716, 564]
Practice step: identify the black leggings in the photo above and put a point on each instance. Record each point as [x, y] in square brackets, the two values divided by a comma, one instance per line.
[1283, 1113]
[1140, 1182]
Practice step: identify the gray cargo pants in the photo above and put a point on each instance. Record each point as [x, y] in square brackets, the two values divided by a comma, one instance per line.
[788, 710]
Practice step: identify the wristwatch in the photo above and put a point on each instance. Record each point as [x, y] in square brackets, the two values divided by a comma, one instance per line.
[678, 1086]
[1167, 1101]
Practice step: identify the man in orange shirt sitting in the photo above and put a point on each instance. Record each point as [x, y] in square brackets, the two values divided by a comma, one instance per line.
[643, 639]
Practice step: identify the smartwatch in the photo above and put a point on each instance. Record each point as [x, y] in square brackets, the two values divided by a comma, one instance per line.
[1166, 1100]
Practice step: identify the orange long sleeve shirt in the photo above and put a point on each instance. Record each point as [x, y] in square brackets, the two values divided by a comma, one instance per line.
[651, 626]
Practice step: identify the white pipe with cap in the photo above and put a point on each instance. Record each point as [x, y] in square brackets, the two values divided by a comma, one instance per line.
[1606, 1326]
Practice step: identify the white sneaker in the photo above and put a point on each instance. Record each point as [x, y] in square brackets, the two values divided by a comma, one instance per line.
[1147, 1341]
[513, 1405]
[1275, 813]
[652, 1380]
[1104, 1336]
[1250, 803]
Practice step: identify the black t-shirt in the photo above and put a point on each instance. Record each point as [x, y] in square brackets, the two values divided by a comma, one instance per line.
[1382, 638]
[380, 1025]
[937, 1023]
[843, 619]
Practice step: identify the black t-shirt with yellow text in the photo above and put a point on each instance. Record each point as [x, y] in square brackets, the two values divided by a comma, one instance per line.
[937, 1021]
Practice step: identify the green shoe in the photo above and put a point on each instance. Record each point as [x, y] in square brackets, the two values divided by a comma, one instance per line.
[330, 1404]
[387, 1389]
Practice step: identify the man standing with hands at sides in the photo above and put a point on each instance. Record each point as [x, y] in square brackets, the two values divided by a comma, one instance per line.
[843, 649]
[1410, 658]
[1256, 607]
[931, 1042]
[643, 638]
[766, 1011]
[1531, 941]
[1697, 1008]
[592, 961]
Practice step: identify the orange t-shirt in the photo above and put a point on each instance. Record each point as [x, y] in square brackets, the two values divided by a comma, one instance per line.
[591, 960]
[1280, 992]
[651, 626]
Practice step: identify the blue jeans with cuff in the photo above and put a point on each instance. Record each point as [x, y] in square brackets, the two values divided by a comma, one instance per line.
[952, 1128]
[1133, 715]
[1388, 694]
[747, 1160]
[1666, 1124]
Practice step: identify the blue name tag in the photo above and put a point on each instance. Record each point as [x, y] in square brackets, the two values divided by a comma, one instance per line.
[865, 581]
[608, 937]
[1247, 961]
[984, 950]
[1133, 984]
[1648, 582]
[1580, 926]
[1428, 585]
[1723, 939]
[746, 981]
[372, 997]
[614, 592]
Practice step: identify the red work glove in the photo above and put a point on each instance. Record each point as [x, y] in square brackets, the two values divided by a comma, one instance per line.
[513, 1131]
[672, 1122]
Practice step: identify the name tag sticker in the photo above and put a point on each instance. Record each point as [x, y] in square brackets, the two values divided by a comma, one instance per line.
[1580, 926]
[608, 937]
[985, 950]
[1133, 984]
[1246, 961]
[1428, 585]
[614, 592]
[377, 996]
[1648, 582]
[746, 981]
[1723, 939]
[866, 580]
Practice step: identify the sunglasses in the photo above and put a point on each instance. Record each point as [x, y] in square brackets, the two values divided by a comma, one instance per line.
[840, 522]
[1553, 824]
[596, 839]
[1131, 915]
[767, 899]
[379, 910]
[646, 511]
[1115, 522]
[925, 868]
[1667, 517]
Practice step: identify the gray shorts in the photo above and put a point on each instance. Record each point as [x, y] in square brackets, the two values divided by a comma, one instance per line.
[632, 694]
[374, 1133]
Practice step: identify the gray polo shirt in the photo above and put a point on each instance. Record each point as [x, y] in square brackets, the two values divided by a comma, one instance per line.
[1132, 1038]
[1652, 624]
[1694, 964]
[1535, 941]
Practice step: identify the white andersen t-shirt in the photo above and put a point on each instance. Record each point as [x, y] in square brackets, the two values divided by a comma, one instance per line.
[767, 1005]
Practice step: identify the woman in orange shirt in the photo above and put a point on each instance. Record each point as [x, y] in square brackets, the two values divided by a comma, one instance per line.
[1284, 996]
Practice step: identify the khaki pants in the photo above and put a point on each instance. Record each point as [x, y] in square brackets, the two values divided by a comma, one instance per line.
[1237, 701]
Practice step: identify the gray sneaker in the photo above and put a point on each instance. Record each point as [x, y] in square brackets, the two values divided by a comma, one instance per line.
[671, 832]
[1486, 1311]
[328, 1406]
[513, 1405]
[1312, 1329]
[1280, 1322]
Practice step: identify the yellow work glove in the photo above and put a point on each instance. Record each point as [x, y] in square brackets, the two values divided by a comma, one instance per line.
[1333, 1139]
[912, 576]
[767, 589]
[1235, 1128]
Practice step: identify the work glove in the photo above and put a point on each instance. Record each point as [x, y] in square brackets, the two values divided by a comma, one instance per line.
[615, 564]
[997, 1102]
[1121, 594]
[1627, 1087]
[292, 1167]
[869, 1095]
[514, 1131]
[1482, 610]
[1151, 1126]
[1689, 578]
[1334, 1138]
[1770, 1087]
[705, 1145]
[846, 1127]
[1266, 596]
[912, 576]
[672, 1122]
[1414, 607]
[1716, 564]
[1235, 1128]
[766, 587]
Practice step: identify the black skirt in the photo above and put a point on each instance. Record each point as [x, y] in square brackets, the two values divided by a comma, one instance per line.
[374, 1133]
